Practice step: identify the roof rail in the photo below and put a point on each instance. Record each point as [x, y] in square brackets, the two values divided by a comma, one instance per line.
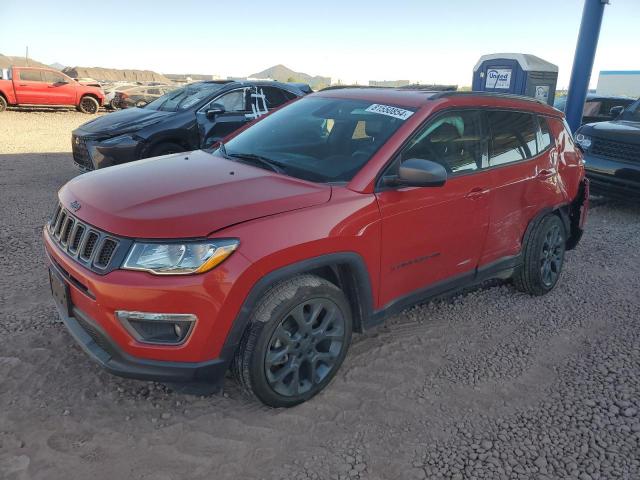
[340, 87]
[487, 94]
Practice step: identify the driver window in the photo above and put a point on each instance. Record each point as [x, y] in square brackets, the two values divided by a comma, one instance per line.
[233, 101]
[454, 140]
[51, 77]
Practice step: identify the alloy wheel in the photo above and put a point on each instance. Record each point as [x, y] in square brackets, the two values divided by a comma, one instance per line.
[304, 347]
[89, 105]
[552, 255]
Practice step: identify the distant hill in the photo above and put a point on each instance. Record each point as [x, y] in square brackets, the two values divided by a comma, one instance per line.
[57, 66]
[284, 74]
[114, 74]
[7, 61]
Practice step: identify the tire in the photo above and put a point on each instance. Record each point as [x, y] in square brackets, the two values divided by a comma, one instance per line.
[88, 105]
[114, 105]
[165, 148]
[544, 250]
[3, 103]
[298, 337]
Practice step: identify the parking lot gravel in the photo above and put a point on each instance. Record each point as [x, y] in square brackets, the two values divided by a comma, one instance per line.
[488, 384]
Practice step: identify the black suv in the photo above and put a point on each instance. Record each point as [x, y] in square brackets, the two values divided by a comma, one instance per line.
[612, 153]
[192, 117]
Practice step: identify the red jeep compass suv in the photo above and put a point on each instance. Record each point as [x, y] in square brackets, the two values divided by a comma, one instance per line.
[264, 254]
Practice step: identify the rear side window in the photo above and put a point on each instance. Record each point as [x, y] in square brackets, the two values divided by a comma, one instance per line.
[274, 96]
[31, 75]
[454, 140]
[513, 137]
[545, 135]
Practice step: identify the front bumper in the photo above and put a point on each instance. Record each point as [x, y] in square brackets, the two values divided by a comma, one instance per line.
[90, 153]
[613, 177]
[92, 300]
[99, 347]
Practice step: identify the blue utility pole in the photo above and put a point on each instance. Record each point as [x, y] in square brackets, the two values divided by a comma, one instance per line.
[583, 60]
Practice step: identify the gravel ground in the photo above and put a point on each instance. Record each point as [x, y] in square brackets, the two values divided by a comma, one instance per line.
[491, 384]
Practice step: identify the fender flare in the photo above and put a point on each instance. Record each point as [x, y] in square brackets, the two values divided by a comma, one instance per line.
[361, 281]
[560, 210]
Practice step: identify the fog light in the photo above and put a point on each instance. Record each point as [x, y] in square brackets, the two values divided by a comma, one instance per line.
[157, 328]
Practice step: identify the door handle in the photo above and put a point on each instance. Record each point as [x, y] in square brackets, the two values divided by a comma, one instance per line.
[476, 193]
[546, 173]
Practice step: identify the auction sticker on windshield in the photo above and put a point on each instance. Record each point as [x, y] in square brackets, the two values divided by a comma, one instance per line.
[394, 112]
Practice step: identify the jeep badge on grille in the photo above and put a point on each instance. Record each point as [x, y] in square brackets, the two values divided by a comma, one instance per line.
[75, 205]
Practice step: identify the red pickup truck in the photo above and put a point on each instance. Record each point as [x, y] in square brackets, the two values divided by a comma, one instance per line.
[42, 86]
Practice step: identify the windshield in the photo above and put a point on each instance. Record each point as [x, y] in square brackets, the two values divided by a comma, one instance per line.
[632, 112]
[320, 139]
[184, 98]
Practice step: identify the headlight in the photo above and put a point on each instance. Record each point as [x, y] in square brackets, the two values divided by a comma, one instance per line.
[583, 141]
[180, 258]
[120, 140]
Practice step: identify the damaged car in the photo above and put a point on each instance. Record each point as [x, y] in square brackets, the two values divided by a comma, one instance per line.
[188, 118]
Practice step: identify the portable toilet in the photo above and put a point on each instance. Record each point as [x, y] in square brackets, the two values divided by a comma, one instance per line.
[516, 73]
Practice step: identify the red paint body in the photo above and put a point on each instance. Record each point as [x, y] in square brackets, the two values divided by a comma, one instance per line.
[17, 91]
[470, 222]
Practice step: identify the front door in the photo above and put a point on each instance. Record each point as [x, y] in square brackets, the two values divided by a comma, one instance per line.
[60, 90]
[237, 112]
[434, 234]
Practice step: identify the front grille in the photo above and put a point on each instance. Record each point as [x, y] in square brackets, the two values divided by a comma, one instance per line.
[106, 252]
[618, 150]
[89, 246]
[81, 153]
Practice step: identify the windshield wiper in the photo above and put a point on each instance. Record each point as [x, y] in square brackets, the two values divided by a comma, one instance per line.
[253, 158]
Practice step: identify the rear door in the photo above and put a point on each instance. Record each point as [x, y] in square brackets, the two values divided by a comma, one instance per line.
[59, 90]
[432, 234]
[523, 165]
[30, 86]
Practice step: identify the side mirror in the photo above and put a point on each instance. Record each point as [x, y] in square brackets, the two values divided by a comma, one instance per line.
[215, 109]
[616, 111]
[417, 172]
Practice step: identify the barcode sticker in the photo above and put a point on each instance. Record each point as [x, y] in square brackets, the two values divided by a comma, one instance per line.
[394, 112]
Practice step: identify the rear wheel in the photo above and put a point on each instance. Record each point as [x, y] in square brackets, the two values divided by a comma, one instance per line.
[88, 105]
[297, 340]
[3, 104]
[543, 256]
[114, 104]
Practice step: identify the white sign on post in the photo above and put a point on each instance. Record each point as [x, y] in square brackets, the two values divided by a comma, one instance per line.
[498, 78]
[542, 93]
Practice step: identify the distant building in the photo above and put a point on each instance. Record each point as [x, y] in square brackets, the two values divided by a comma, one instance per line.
[389, 83]
[619, 82]
[190, 77]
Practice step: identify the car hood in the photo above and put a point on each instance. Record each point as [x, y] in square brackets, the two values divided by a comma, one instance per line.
[123, 121]
[618, 130]
[185, 195]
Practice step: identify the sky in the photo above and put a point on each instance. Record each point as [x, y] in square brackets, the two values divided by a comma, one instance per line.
[429, 41]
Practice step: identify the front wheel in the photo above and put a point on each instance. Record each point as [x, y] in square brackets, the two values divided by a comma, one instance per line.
[3, 104]
[543, 251]
[89, 105]
[298, 338]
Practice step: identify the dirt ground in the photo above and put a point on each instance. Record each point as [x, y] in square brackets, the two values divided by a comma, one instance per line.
[491, 384]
